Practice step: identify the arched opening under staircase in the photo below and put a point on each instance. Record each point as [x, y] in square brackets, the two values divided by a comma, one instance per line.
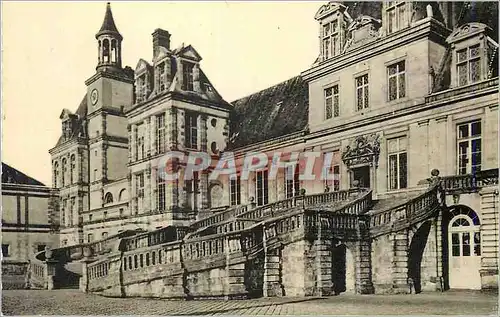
[343, 269]
[416, 252]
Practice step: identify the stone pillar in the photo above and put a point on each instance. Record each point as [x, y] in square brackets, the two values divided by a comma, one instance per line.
[147, 136]
[50, 272]
[489, 237]
[438, 231]
[323, 263]
[202, 132]
[272, 265]
[172, 135]
[363, 260]
[133, 145]
[129, 133]
[104, 160]
[84, 280]
[147, 204]
[154, 189]
[400, 261]
[133, 193]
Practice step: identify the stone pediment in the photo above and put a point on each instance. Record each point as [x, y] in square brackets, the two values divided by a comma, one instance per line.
[190, 53]
[142, 65]
[467, 30]
[362, 150]
[328, 8]
[364, 29]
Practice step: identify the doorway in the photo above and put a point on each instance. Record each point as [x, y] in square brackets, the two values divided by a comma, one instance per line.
[362, 175]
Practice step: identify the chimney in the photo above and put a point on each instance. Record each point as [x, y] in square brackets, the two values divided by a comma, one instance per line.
[160, 38]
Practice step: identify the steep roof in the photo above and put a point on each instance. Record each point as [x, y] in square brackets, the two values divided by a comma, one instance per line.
[11, 175]
[81, 111]
[276, 111]
[108, 24]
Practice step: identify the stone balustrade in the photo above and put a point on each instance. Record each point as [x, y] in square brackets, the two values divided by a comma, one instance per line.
[470, 182]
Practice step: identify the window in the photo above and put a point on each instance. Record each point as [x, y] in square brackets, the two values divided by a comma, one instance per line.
[56, 175]
[108, 198]
[90, 237]
[332, 102]
[72, 175]
[160, 194]
[95, 174]
[160, 133]
[468, 65]
[71, 210]
[139, 142]
[332, 173]
[5, 250]
[292, 184]
[191, 131]
[469, 147]
[396, 14]
[465, 234]
[362, 92]
[187, 76]
[161, 77]
[396, 149]
[261, 188]
[40, 247]
[397, 82]
[64, 169]
[140, 191]
[104, 214]
[330, 39]
[235, 190]
[121, 212]
[63, 212]
[141, 88]
[192, 191]
[90, 218]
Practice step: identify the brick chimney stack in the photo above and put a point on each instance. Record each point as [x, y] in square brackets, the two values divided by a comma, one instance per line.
[160, 38]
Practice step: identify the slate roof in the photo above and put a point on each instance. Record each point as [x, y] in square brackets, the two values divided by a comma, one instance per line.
[11, 175]
[81, 111]
[108, 24]
[273, 112]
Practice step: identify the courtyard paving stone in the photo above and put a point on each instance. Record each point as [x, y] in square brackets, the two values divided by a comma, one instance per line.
[73, 302]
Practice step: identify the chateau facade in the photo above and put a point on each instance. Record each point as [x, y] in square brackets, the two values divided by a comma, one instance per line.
[398, 91]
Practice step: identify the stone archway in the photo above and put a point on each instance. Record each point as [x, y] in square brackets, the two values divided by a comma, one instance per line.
[415, 254]
[343, 269]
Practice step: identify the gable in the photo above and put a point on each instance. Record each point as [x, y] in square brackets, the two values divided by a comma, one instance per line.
[466, 31]
[141, 66]
[190, 53]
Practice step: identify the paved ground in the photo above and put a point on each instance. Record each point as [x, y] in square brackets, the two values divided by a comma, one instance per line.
[73, 302]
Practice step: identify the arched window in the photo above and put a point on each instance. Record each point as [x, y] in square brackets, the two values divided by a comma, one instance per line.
[56, 174]
[72, 175]
[123, 195]
[105, 50]
[108, 198]
[63, 174]
[113, 51]
[99, 52]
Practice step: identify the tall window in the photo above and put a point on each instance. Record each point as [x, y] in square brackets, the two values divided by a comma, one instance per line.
[191, 131]
[56, 175]
[398, 177]
[139, 142]
[468, 65]
[292, 183]
[90, 237]
[95, 174]
[187, 76]
[397, 80]
[5, 250]
[72, 175]
[469, 147]
[71, 210]
[140, 192]
[332, 181]
[141, 88]
[332, 102]
[160, 194]
[261, 188]
[192, 190]
[235, 190]
[397, 18]
[63, 212]
[330, 40]
[160, 133]
[161, 77]
[64, 170]
[362, 92]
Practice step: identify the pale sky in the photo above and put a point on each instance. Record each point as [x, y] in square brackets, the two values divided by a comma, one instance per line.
[49, 49]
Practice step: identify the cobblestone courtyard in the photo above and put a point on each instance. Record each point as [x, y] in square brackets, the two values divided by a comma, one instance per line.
[73, 302]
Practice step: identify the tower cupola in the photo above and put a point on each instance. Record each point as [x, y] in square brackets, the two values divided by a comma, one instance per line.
[109, 43]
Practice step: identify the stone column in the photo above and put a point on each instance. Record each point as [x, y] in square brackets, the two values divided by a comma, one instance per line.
[364, 283]
[172, 134]
[153, 129]
[489, 237]
[400, 261]
[323, 262]
[84, 280]
[438, 234]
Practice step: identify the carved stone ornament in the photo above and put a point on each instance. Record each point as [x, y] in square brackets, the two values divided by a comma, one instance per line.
[363, 30]
[362, 150]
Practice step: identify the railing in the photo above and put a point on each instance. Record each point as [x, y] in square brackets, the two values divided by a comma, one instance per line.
[414, 210]
[450, 93]
[38, 273]
[470, 182]
[219, 217]
[156, 237]
[154, 256]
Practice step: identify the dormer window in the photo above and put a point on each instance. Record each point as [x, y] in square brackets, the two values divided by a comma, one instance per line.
[469, 65]
[330, 40]
[141, 88]
[161, 77]
[187, 76]
[396, 16]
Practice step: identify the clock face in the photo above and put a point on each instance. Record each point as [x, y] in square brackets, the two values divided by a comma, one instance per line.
[94, 96]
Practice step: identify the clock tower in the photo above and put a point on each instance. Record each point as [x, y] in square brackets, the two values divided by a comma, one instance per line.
[109, 92]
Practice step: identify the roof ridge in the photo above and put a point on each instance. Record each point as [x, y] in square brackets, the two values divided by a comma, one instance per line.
[270, 87]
